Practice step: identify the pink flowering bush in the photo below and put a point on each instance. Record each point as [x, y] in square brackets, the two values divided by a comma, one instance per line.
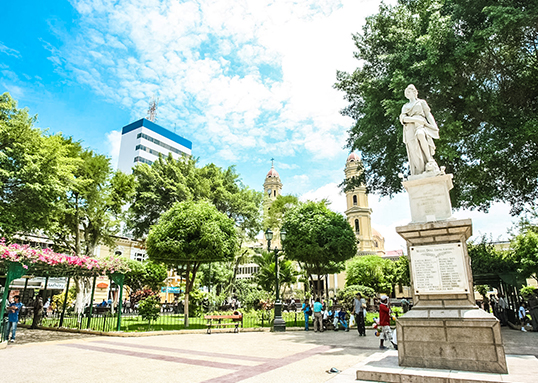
[36, 260]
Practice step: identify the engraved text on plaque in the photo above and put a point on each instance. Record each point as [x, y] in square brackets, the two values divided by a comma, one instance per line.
[439, 269]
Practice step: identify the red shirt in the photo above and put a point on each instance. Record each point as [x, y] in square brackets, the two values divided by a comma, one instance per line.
[384, 319]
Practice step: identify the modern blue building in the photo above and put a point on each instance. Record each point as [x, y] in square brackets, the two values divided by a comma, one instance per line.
[144, 140]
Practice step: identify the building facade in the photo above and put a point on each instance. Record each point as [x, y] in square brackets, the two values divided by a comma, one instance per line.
[143, 141]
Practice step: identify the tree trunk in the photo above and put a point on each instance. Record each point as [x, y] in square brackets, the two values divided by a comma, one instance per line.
[83, 289]
[187, 292]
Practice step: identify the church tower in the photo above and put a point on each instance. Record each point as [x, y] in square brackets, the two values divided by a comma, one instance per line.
[272, 185]
[358, 213]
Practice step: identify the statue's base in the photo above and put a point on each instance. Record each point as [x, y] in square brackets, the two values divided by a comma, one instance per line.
[451, 339]
[445, 329]
[429, 197]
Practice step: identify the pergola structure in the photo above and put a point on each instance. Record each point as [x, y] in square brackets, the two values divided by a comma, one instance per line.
[19, 261]
[507, 284]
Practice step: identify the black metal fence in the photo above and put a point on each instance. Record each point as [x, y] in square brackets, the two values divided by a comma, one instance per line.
[105, 320]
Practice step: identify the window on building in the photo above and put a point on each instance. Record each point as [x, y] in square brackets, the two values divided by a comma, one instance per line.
[140, 257]
[143, 160]
[149, 150]
[375, 244]
[354, 200]
[274, 193]
[357, 227]
[117, 253]
[160, 143]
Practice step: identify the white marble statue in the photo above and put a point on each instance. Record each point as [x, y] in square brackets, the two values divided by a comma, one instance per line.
[419, 130]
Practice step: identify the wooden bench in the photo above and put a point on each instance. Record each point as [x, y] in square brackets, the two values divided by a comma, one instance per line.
[217, 321]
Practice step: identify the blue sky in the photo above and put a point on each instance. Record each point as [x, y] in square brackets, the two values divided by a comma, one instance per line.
[244, 80]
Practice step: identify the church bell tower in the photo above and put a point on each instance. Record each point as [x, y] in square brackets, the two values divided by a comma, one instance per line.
[358, 213]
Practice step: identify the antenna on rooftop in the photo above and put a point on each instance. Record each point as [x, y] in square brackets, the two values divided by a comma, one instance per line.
[152, 110]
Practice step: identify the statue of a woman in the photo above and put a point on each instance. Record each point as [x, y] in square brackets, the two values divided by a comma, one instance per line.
[419, 130]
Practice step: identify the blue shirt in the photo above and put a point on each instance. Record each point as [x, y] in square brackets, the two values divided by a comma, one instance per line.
[317, 307]
[14, 316]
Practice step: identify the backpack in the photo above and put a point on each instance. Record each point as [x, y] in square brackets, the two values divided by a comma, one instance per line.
[308, 310]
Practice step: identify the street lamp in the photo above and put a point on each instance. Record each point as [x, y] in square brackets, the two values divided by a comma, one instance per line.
[278, 324]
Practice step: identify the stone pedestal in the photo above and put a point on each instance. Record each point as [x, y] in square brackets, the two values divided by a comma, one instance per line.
[429, 197]
[445, 329]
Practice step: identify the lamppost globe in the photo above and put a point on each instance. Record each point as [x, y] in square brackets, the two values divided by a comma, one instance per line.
[268, 234]
[283, 235]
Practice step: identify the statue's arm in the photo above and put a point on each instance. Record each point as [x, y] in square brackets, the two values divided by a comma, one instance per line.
[428, 114]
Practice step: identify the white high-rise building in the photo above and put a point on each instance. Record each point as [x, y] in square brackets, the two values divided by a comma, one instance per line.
[143, 141]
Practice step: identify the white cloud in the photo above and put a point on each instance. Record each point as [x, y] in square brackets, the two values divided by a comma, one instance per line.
[330, 192]
[223, 68]
[113, 142]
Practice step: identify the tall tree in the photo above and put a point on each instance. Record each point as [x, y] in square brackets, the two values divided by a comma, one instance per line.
[189, 234]
[88, 213]
[34, 168]
[475, 63]
[168, 181]
[319, 239]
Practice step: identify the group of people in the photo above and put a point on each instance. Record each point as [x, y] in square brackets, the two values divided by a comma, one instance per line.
[499, 306]
[325, 318]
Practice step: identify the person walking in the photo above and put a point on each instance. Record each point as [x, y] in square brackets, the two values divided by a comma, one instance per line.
[38, 312]
[318, 318]
[359, 309]
[522, 316]
[307, 310]
[503, 307]
[13, 316]
[384, 322]
[533, 310]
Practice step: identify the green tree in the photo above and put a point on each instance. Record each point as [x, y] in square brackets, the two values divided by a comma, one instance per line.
[475, 63]
[89, 211]
[265, 277]
[33, 171]
[525, 246]
[150, 308]
[145, 274]
[371, 271]
[346, 295]
[402, 271]
[168, 181]
[189, 234]
[319, 239]
[486, 259]
[276, 209]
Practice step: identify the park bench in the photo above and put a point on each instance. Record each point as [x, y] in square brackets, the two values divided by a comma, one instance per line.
[217, 321]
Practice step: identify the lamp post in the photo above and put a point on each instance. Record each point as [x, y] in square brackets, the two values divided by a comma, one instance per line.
[278, 324]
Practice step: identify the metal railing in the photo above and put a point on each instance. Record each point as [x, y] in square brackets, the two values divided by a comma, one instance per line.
[106, 321]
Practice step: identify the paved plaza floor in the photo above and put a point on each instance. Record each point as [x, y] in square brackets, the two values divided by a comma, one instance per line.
[294, 356]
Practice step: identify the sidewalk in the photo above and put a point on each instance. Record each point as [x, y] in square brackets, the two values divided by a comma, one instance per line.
[249, 357]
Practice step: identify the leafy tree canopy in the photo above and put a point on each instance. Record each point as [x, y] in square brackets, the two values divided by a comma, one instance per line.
[475, 64]
[189, 234]
[371, 271]
[276, 210]
[485, 259]
[318, 238]
[168, 181]
[34, 169]
[145, 274]
[265, 277]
